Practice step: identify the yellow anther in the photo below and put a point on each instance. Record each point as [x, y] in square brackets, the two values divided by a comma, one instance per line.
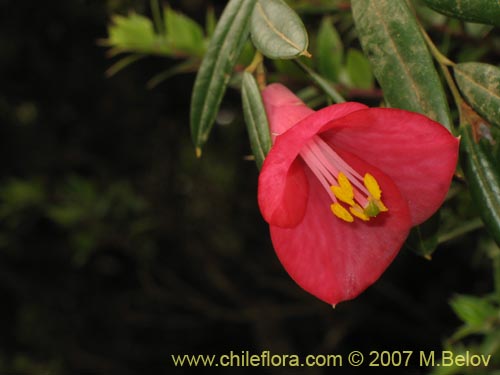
[343, 195]
[341, 212]
[344, 191]
[372, 186]
[359, 213]
[344, 182]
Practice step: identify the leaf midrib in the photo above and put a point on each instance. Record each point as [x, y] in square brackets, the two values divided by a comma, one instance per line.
[400, 58]
[275, 30]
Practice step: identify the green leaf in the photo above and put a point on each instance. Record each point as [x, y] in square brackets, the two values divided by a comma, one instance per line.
[329, 51]
[473, 311]
[277, 31]
[359, 70]
[183, 34]
[401, 62]
[215, 71]
[255, 118]
[483, 178]
[246, 55]
[323, 83]
[423, 239]
[480, 85]
[133, 33]
[479, 11]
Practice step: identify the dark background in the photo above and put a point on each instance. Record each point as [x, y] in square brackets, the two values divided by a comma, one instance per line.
[119, 248]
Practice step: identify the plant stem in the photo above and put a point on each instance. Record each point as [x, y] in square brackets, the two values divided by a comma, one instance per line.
[257, 67]
[469, 226]
[444, 63]
[256, 61]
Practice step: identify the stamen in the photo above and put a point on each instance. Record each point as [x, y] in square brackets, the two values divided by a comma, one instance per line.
[341, 212]
[362, 195]
[344, 191]
[372, 186]
[335, 159]
[359, 213]
[317, 169]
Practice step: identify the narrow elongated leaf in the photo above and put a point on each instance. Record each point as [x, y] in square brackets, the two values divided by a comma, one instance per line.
[277, 31]
[183, 67]
[479, 11]
[215, 71]
[401, 62]
[323, 83]
[483, 177]
[329, 51]
[255, 118]
[480, 85]
[210, 22]
[122, 64]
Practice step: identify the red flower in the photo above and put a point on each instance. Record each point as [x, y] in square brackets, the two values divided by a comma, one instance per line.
[341, 188]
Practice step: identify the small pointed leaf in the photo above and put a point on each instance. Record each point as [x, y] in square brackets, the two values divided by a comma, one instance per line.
[255, 118]
[215, 71]
[401, 62]
[184, 67]
[480, 85]
[277, 31]
[423, 239]
[122, 64]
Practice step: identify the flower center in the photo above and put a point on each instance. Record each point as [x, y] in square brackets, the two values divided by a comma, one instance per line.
[352, 195]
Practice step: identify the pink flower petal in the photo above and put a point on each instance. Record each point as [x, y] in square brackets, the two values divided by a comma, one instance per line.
[418, 154]
[335, 260]
[282, 192]
[283, 195]
[283, 108]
